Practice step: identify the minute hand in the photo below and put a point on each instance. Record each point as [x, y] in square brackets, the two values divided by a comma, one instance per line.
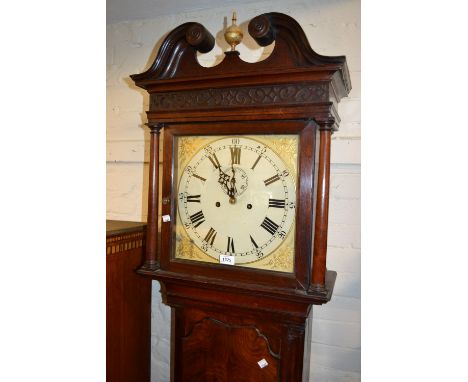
[233, 182]
[233, 190]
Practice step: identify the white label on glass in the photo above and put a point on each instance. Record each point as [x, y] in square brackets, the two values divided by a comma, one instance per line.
[262, 363]
[229, 260]
[166, 218]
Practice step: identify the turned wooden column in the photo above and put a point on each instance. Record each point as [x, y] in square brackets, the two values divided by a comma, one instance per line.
[152, 251]
[319, 266]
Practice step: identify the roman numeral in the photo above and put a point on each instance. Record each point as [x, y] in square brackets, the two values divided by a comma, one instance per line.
[197, 219]
[271, 180]
[211, 235]
[253, 242]
[230, 245]
[255, 163]
[269, 225]
[193, 198]
[235, 155]
[277, 203]
[199, 177]
[215, 161]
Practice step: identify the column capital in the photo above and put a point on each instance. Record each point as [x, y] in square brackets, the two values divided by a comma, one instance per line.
[327, 124]
[155, 127]
[327, 118]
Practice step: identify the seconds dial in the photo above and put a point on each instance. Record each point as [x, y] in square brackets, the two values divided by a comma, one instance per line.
[237, 197]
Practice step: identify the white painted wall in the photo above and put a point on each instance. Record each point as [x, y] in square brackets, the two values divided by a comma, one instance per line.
[333, 28]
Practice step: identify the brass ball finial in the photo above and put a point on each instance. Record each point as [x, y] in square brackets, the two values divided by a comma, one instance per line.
[233, 34]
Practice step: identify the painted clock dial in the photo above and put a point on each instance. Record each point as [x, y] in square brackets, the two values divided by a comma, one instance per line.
[236, 197]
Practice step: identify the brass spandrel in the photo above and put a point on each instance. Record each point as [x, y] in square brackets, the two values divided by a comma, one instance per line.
[185, 249]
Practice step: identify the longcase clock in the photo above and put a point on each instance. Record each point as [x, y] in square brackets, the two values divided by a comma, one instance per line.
[241, 255]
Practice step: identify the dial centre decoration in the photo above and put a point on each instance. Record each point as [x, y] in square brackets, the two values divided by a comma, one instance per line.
[237, 197]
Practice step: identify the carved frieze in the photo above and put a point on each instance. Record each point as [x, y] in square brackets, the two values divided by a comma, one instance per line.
[299, 93]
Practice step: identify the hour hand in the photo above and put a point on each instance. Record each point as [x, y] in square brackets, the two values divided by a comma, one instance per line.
[223, 180]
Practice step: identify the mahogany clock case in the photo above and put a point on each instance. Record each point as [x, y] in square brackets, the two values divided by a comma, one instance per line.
[251, 313]
[294, 90]
[306, 130]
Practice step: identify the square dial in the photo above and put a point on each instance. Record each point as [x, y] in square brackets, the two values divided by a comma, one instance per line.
[236, 197]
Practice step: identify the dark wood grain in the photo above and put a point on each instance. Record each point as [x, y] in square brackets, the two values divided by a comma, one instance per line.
[236, 347]
[226, 318]
[128, 305]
